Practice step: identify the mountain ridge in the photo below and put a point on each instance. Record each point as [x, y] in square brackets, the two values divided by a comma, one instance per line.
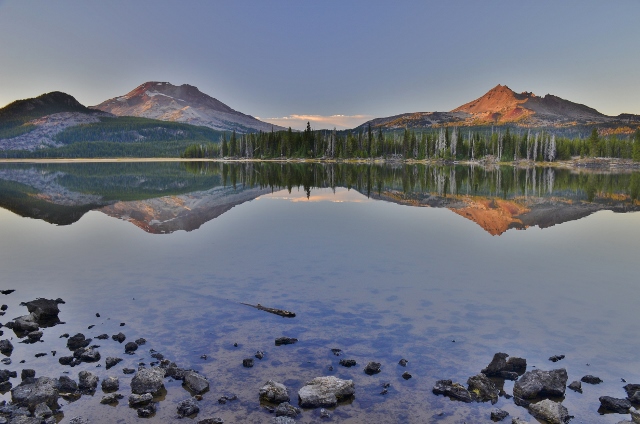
[184, 103]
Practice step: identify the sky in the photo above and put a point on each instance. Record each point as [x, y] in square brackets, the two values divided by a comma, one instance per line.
[335, 63]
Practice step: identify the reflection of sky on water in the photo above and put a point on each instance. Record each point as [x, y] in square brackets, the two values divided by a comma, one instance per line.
[379, 280]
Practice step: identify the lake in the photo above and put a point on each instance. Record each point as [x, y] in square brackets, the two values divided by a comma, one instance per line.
[440, 265]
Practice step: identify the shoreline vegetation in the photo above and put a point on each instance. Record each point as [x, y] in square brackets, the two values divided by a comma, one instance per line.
[574, 163]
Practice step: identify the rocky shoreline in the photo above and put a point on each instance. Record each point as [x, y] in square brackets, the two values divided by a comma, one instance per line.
[36, 399]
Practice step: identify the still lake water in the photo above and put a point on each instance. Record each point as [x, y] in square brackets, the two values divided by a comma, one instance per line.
[442, 266]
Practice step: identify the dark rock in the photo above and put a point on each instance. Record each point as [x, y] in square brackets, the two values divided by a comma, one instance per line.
[24, 374]
[119, 337]
[214, 420]
[6, 361]
[6, 347]
[4, 308]
[102, 337]
[40, 355]
[521, 402]
[348, 362]
[498, 415]
[111, 362]
[516, 364]
[285, 409]
[538, 383]
[111, 398]
[91, 326]
[5, 375]
[274, 392]
[110, 384]
[285, 341]
[65, 360]
[336, 352]
[5, 292]
[590, 379]
[452, 390]
[130, 347]
[195, 382]
[66, 385]
[43, 390]
[247, 363]
[122, 324]
[508, 375]
[175, 372]
[497, 364]
[148, 380]
[556, 358]
[325, 392]
[34, 336]
[157, 355]
[78, 341]
[576, 386]
[550, 412]
[403, 362]
[188, 407]
[141, 341]
[620, 406]
[43, 309]
[406, 375]
[500, 366]
[140, 400]
[87, 381]
[324, 414]
[372, 368]
[147, 411]
[633, 390]
[42, 411]
[128, 370]
[86, 354]
[482, 389]
[259, 354]
[5, 386]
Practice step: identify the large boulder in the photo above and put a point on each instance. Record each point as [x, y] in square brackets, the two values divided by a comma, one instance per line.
[195, 382]
[453, 390]
[25, 324]
[148, 380]
[550, 411]
[482, 389]
[325, 391]
[274, 392]
[44, 309]
[110, 384]
[538, 383]
[43, 390]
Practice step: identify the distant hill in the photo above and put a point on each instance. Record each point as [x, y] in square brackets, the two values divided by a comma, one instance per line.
[184, 103]
[45, 104]
[501, 105]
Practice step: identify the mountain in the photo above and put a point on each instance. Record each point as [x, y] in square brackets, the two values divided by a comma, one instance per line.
[184, 103]
[45, 104]
[501, 105]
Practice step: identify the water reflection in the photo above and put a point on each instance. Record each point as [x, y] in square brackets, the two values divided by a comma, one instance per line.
[167, 197]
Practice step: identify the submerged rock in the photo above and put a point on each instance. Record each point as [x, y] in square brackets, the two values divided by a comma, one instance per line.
[119, 337]
[403, 362]
[550, 411]
[406, 375]
[556, 358]
[148, 380]
[140, 400]
[621, 406]
[285, 341]
[576, 386]
[147, 411]
[325, 392]
[247, 363]
[498, 415]
[482, 389]
[590, 379]
[188, 407]
[111, 398]
[372, 368]
[538, 383]
[110, 384]
[78, 341]
[195, 382]
[6, 347]
[274, 392]
[453, 390]
[87, 381]
[285, 409]
[347, 362]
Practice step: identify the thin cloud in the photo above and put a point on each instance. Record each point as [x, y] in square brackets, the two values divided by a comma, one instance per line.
[299, 122]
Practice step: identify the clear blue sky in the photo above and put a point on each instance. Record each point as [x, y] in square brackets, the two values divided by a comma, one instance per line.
[281, 58]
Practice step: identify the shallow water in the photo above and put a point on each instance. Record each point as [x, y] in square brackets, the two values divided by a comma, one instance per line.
[377, 276]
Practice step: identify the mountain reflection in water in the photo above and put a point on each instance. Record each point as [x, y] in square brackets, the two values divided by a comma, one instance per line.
[166, 197]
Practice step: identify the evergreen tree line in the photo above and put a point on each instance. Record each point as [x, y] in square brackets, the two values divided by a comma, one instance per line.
[449, 143]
